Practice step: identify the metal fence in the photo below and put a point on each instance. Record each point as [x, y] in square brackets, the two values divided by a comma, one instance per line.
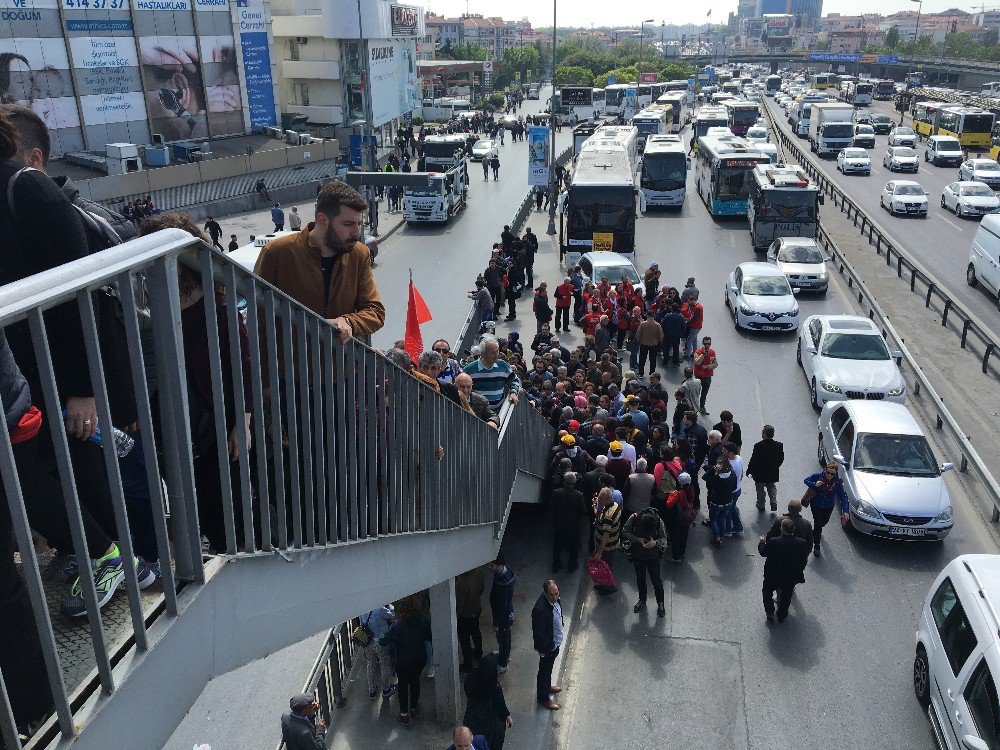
[340, 445]
[952, 313]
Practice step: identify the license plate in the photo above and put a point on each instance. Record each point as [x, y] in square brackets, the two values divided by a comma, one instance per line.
[770, 328]
[906, 531]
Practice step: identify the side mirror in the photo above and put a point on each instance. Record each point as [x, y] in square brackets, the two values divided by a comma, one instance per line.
[947, 467]
[810, 347]
[733, 289]
[898, 356]
[974, 743]
[795, 291]
[840, 459]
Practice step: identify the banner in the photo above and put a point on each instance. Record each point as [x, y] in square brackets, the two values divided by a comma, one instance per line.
[256, 63]
[538, 156]
[392, 84]
[650, 77]
[405, 20]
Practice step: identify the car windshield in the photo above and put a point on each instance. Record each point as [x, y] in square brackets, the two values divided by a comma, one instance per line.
[908, 190]
[614, 274]
[800, 254]
[756, 133]
[766, 286]
[904, 131]
[986, 166]
[864, 346]
[865, 130]
[881, 118]
[906, 152]
[905, 455]
[949, 146]
[979, 191]
[855, 153]
[483, 145]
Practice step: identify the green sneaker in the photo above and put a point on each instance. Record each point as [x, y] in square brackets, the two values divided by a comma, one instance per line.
[109, 572]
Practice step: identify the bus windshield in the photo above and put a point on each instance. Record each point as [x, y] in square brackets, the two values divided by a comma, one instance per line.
[731, 183]
[790, 204]
[440, 150]
[745, 115]
[666, 172]
[613, 97]
[601, 210]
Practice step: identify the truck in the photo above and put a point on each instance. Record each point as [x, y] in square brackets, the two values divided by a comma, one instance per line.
[831, 127]
[442, 152]
[444, 196]
[533, 90]
[445, 109]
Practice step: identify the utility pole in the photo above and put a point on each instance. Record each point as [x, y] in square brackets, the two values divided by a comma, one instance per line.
[553, 188]
[369, 156]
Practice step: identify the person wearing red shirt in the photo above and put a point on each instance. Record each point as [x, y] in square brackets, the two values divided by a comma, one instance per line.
[604, 288]
[705, 363]
[564, 298]
[590, 322]
[694, 316]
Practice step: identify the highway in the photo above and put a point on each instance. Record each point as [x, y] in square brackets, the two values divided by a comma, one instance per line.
[940, 242]
[712, 674]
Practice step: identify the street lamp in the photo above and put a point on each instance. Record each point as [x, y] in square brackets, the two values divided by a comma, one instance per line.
[916, 29]
[553, 188]
[642, 38]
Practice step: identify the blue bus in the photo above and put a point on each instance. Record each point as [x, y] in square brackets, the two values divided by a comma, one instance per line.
[723, 169]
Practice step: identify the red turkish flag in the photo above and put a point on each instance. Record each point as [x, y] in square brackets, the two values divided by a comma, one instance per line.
[416, 314]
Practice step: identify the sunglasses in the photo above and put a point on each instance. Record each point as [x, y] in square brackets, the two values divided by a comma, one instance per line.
[441, 351]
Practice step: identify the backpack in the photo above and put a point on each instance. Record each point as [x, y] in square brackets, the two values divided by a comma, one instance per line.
[668, 483]
[686, 509]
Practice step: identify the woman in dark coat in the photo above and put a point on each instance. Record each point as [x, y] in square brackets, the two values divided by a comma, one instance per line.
[487, 713]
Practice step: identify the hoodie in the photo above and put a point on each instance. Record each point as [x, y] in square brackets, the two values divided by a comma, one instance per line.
[502, 597]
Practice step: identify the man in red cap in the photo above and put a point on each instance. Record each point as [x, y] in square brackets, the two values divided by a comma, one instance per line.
[573, 427]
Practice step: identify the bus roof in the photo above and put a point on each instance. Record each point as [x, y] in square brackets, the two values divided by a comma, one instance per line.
[783, 176]
[650, 114]
[446, 138]
[603, 167]
[731, 146]
[664, 144]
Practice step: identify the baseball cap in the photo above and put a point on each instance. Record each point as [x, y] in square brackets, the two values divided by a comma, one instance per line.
[573, 425]
[616, 447]
[568, 440]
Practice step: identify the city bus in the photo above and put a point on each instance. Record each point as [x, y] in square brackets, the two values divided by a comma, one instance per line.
[885, 90]
[651, 122]
[821, 81]
[625, 137]
[709, 117]
[675, 102]
[679, 85]
[579, 100]
[614, 98]
[597, 211]
[742, 115]
[663, 172]
[644, 95]
[599, 103]
[731, 87]
[972, 126]
[722, 170]
[925, 116]
[772, 84]
[858, 93]
[995, 142]
[782, 203]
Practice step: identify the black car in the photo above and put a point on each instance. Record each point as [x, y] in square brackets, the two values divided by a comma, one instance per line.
[882, 124]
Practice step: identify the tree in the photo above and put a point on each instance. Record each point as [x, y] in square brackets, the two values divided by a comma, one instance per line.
[575, 76]
[892, 37]
[466, 51]
[991, 38]
[960, 45]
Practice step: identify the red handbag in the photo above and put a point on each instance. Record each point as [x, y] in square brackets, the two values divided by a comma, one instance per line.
[600, 573]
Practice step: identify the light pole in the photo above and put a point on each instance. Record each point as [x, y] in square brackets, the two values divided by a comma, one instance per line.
[553, 188]
[642, 38]
[916, 29]
[663, 49]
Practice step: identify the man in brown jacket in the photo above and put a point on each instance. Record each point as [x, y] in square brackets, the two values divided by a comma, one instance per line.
[325, 266]
[469, 587]
[650, 335]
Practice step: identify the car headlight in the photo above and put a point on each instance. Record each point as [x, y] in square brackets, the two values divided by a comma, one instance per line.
[944, 516]
[865, 508]
[794, 311]
[746, 310]
[829, 387]
[822, 277]
[897, 391]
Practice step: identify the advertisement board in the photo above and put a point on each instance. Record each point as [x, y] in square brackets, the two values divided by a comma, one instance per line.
[256, 63]
[404, 20]
[576, 96]
[392, 84]
[650, 77]
[538, 156]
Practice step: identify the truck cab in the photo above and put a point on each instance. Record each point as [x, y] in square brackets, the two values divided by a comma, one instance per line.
[444, 196]
[831, 128]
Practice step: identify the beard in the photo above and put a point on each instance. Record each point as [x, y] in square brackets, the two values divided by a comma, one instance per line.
[334, 243]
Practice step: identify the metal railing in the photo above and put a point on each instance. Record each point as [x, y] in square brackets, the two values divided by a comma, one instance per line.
[340, 447]
[953, 315]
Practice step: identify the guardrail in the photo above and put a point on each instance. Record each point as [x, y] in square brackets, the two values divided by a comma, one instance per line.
[906, 267]
[944, 419]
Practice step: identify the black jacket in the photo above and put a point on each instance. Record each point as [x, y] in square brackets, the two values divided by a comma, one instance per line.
[697, 437]
[736, 437]
[14, 392]
[803, 529]
[766, 459]
[299, 733]
[786, 558]
[720, 489]
[502, 597]
[542, 632]
[567, 506]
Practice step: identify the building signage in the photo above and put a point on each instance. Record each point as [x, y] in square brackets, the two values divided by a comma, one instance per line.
[405, 20]
[604, 242]
[392, 84]
[538, 156]
[650, 77]
[852, 57]
[256, 63]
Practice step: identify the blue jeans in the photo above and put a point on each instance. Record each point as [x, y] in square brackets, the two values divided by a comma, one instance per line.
[691, 342]
[734, 521]
[135, 487]
[718, 518]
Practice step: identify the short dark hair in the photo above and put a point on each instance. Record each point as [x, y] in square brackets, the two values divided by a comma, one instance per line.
[31, 129]
[731, 448]
[691, 416]
[335, 194]
[768, 431]
[725, 415]
[787, 526]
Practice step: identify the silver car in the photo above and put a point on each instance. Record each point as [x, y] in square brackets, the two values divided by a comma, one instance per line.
[802, 262]
[902, 136]
[901, 159]
[969, 198]
[894, 484]
[760, 298]
[981, 170]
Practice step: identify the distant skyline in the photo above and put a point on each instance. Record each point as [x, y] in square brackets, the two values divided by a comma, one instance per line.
[631, 12]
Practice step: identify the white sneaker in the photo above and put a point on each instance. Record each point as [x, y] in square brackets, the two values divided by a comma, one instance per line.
[430, 673]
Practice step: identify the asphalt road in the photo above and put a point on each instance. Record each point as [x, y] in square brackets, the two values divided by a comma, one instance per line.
[940, 242]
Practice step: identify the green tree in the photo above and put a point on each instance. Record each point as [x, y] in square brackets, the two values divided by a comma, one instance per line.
[575, 76]
[522, 59]
[991, 38]
[622, 75]
[960, 45]
[892, 37]
[465, 51]
[672, 71]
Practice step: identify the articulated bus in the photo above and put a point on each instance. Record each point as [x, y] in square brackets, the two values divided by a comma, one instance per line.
[783, 203]
[925, 116]
[597, 212]
[742, 115]
[651, 122]
[675, 102]
[995, 142]
[663, 173]
[722, 174]
[885, 90]
[972, 126]
[821, 81]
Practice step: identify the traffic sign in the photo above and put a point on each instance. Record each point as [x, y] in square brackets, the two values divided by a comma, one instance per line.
[487, 66]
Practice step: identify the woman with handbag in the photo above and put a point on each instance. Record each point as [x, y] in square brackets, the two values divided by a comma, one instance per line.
[367, 635]
[647, 539]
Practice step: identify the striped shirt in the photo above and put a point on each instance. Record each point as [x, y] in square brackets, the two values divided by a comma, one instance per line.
[608, 524]
[493, 382]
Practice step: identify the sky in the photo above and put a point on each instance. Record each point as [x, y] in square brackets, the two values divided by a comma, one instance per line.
[630, 12]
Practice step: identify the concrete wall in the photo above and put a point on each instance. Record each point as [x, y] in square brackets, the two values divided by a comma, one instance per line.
[303, 195]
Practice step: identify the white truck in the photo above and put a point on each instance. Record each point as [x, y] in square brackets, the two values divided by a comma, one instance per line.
[831, 127]
[442, 152]
[444, 196]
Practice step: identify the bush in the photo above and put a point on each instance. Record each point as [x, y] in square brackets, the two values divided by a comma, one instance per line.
[417, 120]
[496, 101]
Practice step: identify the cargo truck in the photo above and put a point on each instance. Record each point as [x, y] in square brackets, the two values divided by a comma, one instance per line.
[831, 127]
[444, 196]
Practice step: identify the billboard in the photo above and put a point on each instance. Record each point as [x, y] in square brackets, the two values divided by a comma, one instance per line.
[650, 77]
[538, 156]
[392, 83]
[404, 20]
[256, 63]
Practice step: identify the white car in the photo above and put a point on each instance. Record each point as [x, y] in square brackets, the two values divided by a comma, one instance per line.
[608, 265]
[760, 298]
[894, 485]
[485, 148]
[864, 136]
[902, 136]
[845, 357]
[982, 170]
[958, 653]
[854, 161]
[901, 159]
[904, 197]
[970, 198]
[757, 134]
[247, 255]
[802, 262]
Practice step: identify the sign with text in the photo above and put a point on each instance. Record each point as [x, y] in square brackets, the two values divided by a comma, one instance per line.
[405, 20]
[650, 77]
[538, 156]
[603, 242]
[256, 63]
[392, 84]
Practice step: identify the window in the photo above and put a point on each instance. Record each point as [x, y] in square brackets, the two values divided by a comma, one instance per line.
[953, 626]
[845, 441]
[981, 697]
[838, 420]
[815, 331]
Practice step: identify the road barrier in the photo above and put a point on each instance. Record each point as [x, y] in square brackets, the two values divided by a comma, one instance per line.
[964, 323]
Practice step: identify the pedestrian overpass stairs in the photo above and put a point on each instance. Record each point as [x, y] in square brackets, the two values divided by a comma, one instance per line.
[358, 507]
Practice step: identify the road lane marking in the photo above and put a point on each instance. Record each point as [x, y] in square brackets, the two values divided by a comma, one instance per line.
[945, 218]
[732, 239]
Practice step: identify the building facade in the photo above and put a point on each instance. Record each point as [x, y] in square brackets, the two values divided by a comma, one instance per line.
[135, 71]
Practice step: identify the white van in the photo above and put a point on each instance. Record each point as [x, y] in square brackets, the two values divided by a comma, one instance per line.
[984, 258]
[958, 654]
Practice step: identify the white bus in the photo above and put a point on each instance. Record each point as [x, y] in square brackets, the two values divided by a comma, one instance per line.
[625, 137]
[783, 203]
[644, 95]
[663, 172]
[709, 117]
[614, 98]
[600, 106]
[597, 211]
[722, 173]
[676, 103]
[651, 122]
[578, 100]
